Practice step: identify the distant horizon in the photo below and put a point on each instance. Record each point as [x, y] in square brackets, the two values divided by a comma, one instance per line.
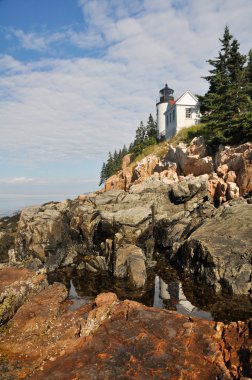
[36, 195]
[10, 205]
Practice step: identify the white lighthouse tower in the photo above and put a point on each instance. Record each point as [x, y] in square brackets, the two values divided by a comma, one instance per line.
[165, 98]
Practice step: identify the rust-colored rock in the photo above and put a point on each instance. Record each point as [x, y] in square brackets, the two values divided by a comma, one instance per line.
[127, 160]
[16, 285]
[239, 160]
[120, 181]
[230, 170]
[41, 330]
[198, 147]
[45, 340]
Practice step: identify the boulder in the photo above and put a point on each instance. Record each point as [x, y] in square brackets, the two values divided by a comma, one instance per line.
[151, 185]
[192, 164]
[145, 168]
[219, 251]
[169, 175]
[233, 191]
[198, 147]
[239, 160]
[94, 264]
[171, 231]
[188, 188]
[130, 262]
[43, 233]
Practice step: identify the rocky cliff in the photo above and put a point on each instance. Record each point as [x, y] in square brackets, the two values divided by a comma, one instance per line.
[191, 208]
[229, 171]
[169, 205]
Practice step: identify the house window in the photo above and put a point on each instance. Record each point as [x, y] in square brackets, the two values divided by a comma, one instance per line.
[188, 113]
[173, 114]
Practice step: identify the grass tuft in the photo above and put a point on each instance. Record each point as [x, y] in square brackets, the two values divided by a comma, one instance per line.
[184, 135]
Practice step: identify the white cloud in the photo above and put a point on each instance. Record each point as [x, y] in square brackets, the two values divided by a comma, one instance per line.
[17, 180]
[65, 109]
[29, 40]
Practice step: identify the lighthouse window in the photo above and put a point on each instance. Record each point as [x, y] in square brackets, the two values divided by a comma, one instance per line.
[188, 113]
[173, 114]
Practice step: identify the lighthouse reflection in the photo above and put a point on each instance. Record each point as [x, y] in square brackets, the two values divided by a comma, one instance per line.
[171, 296]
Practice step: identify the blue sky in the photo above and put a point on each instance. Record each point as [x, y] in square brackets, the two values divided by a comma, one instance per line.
[78, 76]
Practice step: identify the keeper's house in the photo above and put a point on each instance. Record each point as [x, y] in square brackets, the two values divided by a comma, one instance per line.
[173, 115]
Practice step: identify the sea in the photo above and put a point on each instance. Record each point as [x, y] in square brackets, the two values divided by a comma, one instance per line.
[12, 204]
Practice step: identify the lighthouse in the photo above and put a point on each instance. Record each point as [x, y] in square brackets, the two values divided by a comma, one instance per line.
[165, 98]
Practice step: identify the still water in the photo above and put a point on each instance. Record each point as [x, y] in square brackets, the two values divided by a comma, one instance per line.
[83, 288]
[164, 289]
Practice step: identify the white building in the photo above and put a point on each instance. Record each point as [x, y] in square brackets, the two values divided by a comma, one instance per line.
[173, 115]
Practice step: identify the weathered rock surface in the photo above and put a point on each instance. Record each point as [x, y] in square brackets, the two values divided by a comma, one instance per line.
[188, 188]
[237, 160]
[229, 171]
[194, 164]
[130, 262]
[8, 228]
[123, 180]
[16, 285]
[43, 234]
[90, 231]
[219, 251]
[112, 339]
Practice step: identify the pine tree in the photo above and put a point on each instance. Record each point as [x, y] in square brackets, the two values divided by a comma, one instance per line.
[151, 127]
[103, 174]
[124, 150]
[226, 102]
[140, 134]
[109, 166]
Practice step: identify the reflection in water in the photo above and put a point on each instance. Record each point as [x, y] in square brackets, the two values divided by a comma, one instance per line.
[171, 296]
[163, 289]
[84, 286]
[77, 301]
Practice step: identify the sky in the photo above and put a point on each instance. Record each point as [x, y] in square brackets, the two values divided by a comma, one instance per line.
[78, 76]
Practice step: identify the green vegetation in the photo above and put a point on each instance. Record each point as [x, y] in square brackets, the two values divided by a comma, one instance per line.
[227, 106]
[187, 134]
[226, 110]
[145, 136]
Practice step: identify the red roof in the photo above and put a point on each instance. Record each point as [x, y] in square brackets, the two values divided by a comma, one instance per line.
[172, 101]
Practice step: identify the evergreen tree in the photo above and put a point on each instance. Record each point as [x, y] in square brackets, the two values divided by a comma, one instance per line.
[124, 150]
[115, 158]
[103, 174]
[109, 166]
[140, 134]
[226, 102]
[144, 136]
[151, 127]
